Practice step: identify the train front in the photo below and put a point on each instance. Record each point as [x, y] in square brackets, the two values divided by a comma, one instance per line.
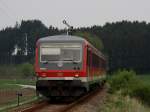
[60, 66]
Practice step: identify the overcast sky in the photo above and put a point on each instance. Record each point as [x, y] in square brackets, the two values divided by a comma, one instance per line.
[77, 12]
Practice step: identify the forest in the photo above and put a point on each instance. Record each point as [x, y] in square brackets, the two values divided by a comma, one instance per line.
[125, 43]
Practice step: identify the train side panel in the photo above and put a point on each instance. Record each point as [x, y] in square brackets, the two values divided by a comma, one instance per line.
[96, 67]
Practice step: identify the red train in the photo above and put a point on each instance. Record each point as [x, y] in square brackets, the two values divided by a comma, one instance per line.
[67, 66]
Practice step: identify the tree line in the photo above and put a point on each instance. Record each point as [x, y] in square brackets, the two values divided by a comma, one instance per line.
[125, 44]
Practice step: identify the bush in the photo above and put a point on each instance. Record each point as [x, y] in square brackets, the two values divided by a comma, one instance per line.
[27, 70]
[9, 71]
[123, 81]
[127, 83]
[142, 92]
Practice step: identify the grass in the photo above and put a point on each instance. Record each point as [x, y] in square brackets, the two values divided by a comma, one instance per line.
[10, 83]
[145, 78]
[14, 103]
[128, 92]
[119, 103]
[10, 75]
[16, 74]
[17, 71]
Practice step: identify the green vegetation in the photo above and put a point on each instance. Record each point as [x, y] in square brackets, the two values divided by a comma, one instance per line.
[127, 83]
[6, 86]
[10, 75]
[145, 78]
[10, 78]
[93, 39]
[128, 92]
[123, 81]
[27, 70]
[14, 103]
[20, 71]
[11, 83]
[119, 103]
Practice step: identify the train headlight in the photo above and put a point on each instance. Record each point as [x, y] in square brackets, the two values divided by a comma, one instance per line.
[76, 75]
[43, 74]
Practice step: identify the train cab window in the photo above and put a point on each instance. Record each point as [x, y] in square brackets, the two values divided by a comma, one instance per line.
[61, 52]
[48, 54]
[70, 54]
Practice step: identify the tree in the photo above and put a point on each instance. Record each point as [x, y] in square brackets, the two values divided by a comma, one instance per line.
[93, 39]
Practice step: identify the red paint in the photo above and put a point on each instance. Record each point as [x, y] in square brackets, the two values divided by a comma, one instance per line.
[71, 73]
[36, 58]
[64, 73]
[85, 59]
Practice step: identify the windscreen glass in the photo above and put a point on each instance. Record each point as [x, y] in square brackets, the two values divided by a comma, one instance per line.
[60, 52]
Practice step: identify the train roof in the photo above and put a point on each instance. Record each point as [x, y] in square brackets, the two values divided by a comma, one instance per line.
[61, 38]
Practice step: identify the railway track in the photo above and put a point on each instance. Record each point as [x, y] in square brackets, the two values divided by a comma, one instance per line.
[64, 107]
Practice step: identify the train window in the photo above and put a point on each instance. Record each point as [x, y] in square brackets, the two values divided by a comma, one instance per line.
[95, 61]
[70, 54]
[61, 52]
[48, 54]
[50, 51]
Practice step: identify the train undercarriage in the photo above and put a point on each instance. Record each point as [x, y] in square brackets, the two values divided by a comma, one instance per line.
[61, 88]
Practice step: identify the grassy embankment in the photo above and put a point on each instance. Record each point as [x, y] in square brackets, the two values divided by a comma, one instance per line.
[10, 77]
[128, 93]
[145, 78]
[16, 74]
[6, 84]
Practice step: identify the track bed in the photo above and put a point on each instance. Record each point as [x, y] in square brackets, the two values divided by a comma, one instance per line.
[87, 103]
